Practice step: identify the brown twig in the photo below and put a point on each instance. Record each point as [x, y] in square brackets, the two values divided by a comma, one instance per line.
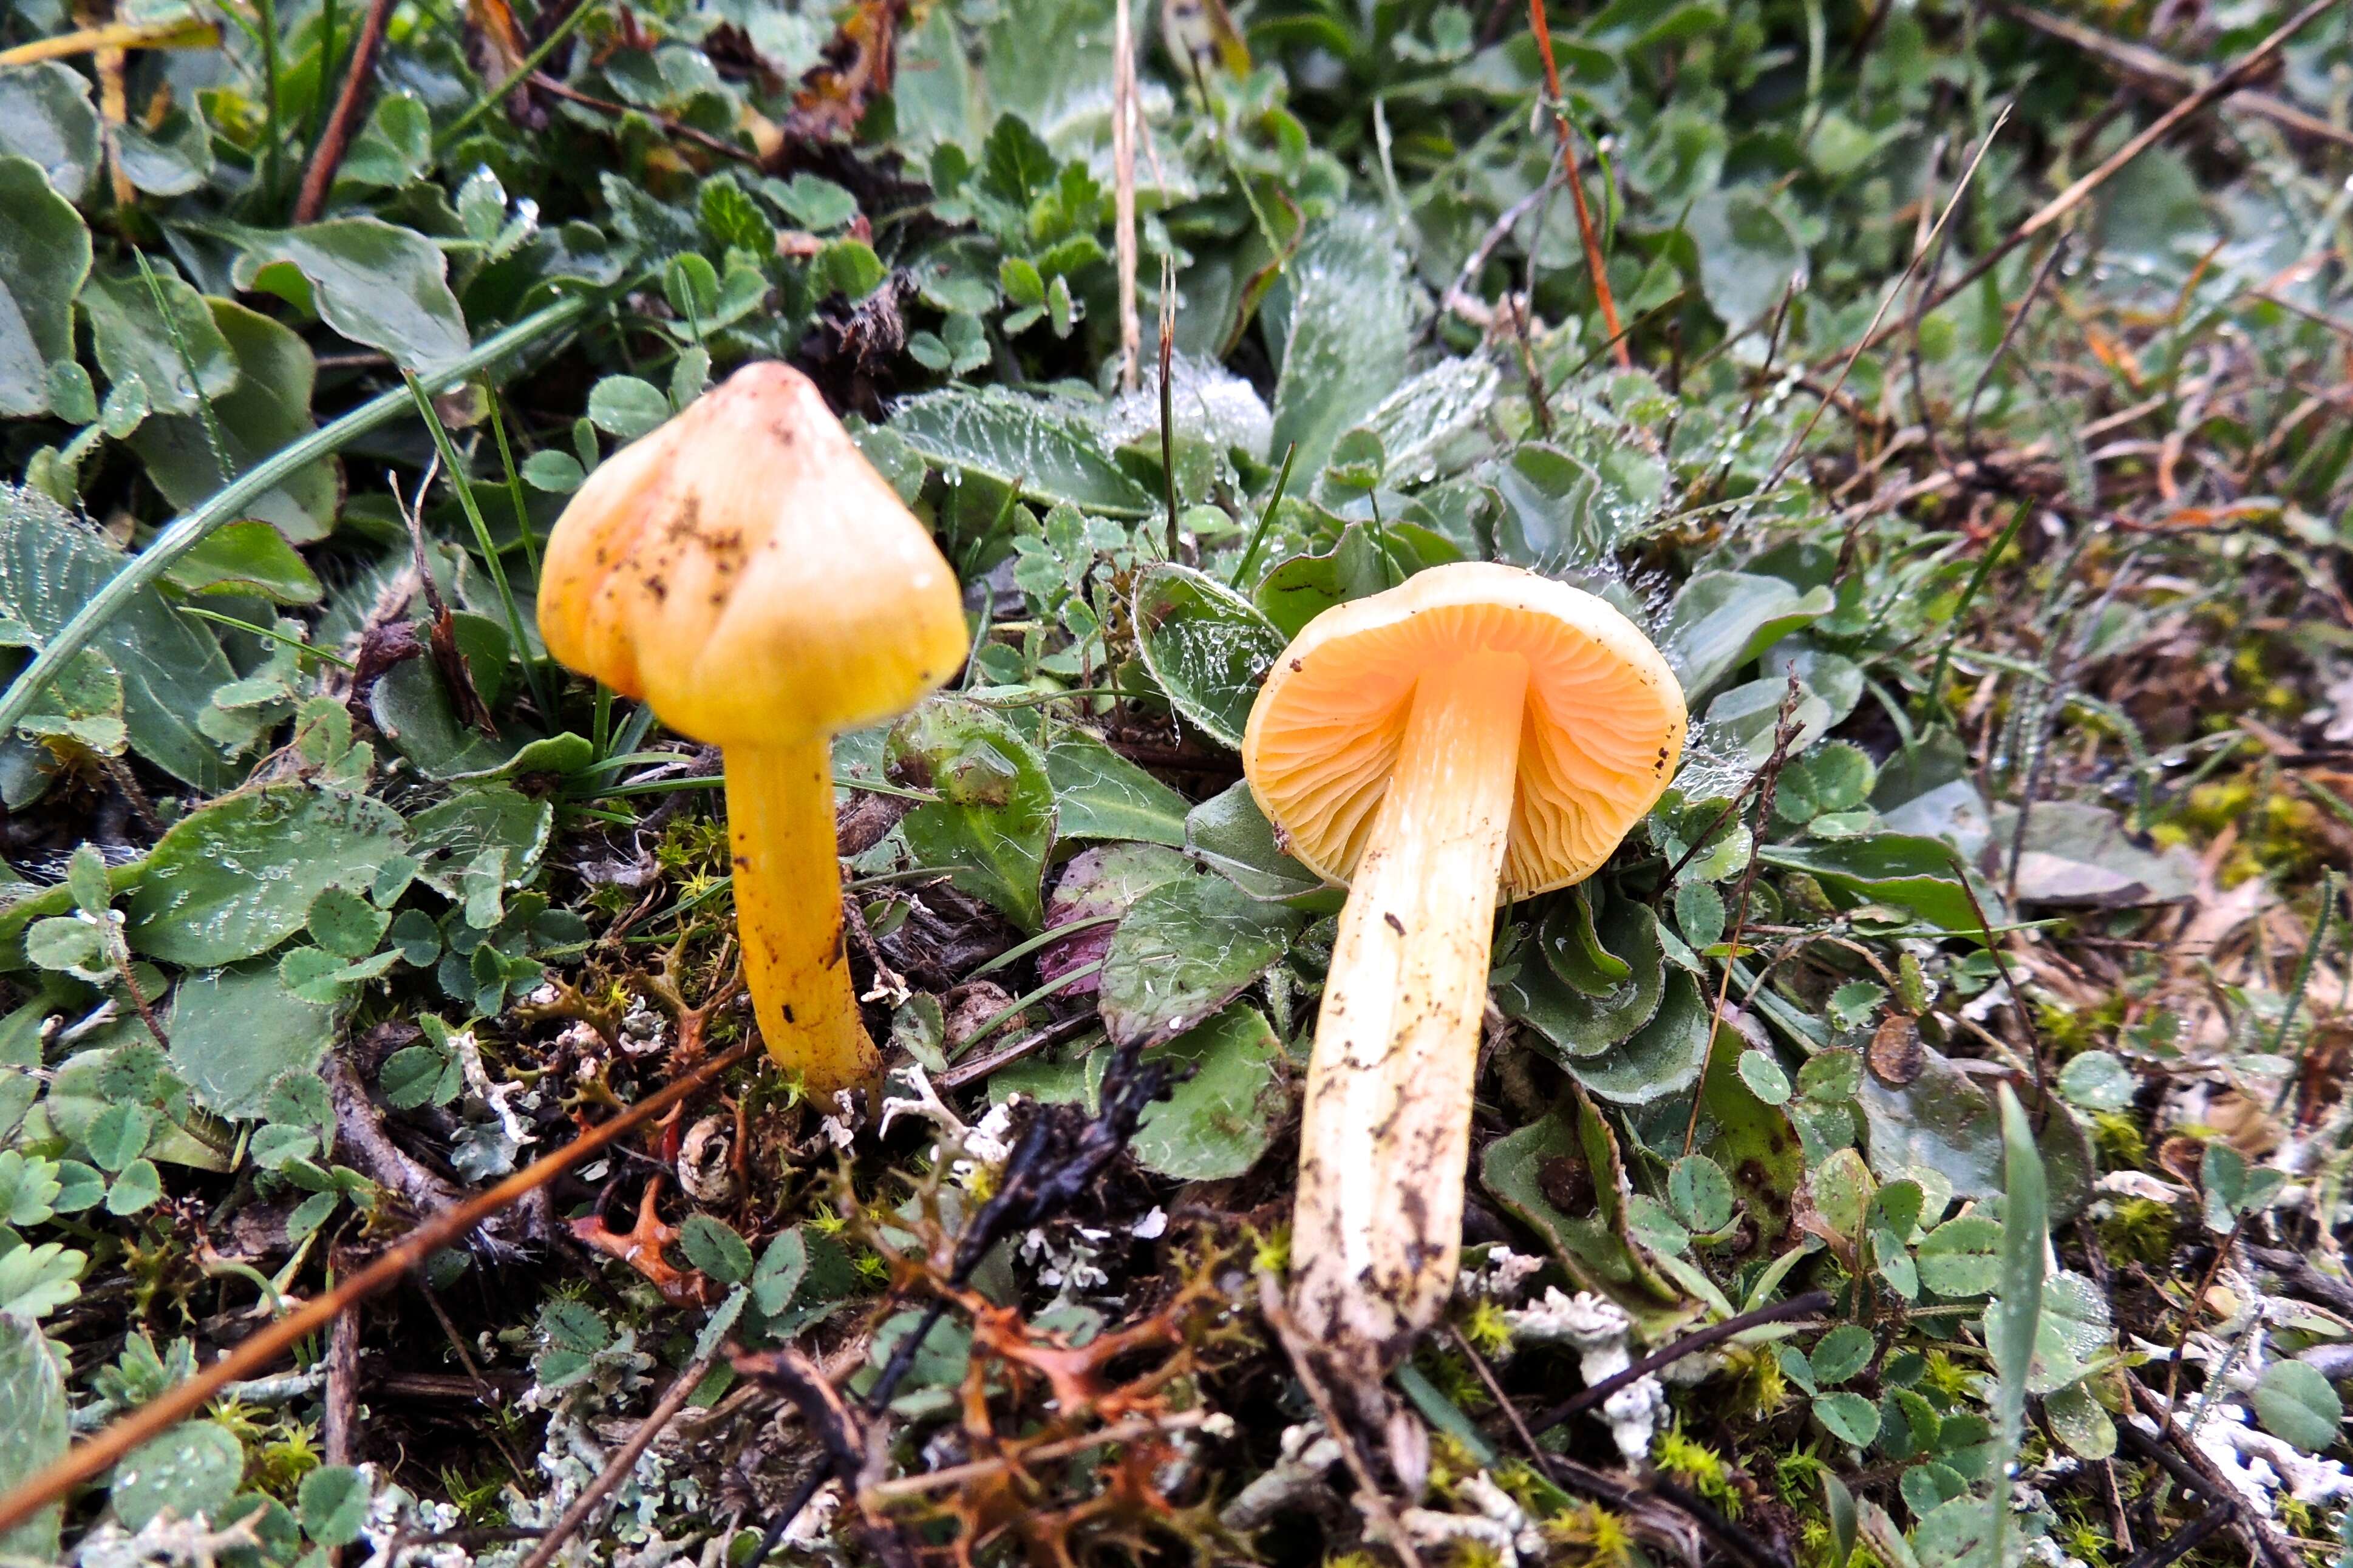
[319, 178]
[2074, 196]
[1302, 1353]
[1586, 234]
[2167, 77]
[617, 1468]
[2188, 1464]
[678, 128]
[1805, 1306]
[343, 1388]
[92, 1459]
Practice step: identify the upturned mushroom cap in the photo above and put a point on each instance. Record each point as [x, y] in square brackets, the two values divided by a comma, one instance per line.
[745, 570]
[1601, 733]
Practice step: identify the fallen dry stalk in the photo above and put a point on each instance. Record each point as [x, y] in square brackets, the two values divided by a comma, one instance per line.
[90, 1459]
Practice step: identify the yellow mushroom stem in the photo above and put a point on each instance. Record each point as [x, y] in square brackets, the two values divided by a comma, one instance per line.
[1378, 1217]
[788, 912]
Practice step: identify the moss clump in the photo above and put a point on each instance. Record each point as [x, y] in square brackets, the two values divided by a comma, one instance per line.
[2121, 1143]
[2140, 1230]
[1697, 1466]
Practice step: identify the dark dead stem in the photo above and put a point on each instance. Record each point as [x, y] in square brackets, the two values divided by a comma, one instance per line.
[1811, 1304]
[623, 1461]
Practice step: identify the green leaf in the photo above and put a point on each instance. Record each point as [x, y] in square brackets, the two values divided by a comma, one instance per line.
[2077, 1418]
[1962, 1257]
[2097, 1081]
[1747, 253]
[35, 1415]
[715, 1248]
[1840, 1353]
[375, 284]
[173, 158]
[1700, 1193]
[1699, 913]
[136, 343]
[50, 565]
[1664, 1057]
[1347, 333]
[192, 1468]
[46, 118]
[269, 409]
[2011, 1321]
[1764, 1077]
[1552, 994]
[625, 406]
[1945, 1122]
[37, 1280]
[1049, 453]
[782, 1266]
[453, 840]
[346, 924]
[238, 877]
[137, 1189]
[811, 201]
[44, 256]
[1721, 620]
[1563, 509]
[2296, 1403]
[332, 1504]
[1098, 793]
[1185, 948]
[557, 473]
[246, 557]
[1851, 1417]
[1227, 1103]
[1885, 867]
[1206, 647]
[1229, 834]
[1296, 591]
[994, 822]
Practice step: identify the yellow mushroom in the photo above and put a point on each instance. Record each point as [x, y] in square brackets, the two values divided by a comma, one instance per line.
[744, 571]
[1478, 730]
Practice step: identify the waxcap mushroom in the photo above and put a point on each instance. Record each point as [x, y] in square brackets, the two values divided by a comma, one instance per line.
[1477, 729]
[1604, 718]
[745, 572]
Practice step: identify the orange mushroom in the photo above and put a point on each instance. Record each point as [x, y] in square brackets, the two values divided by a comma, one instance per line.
[744, 571]
[1478, 730]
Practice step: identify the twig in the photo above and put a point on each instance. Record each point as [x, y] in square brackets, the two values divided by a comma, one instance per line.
[1169, 394]
[963, 1073]
[1302, 1353]
[1123, 163]
[2167, 77]
[1594, 261]
[2170, 1449]
[1875, 332]
[1805, 1306]
[2188, 1539]
[336, 139]
[90, 1459]
[2074, 196]
[1062, 1448]
[1786, 731]
[678, 128]
[624, 1460]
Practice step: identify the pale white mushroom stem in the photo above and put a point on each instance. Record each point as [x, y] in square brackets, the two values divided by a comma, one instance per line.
[1379, 1219]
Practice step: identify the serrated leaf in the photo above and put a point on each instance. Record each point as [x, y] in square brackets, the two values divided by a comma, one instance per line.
[332, 1504]
[238, 877]
[50, 565]
[1851, 1417]
[1015, 439]
[1840, 1353]
[1184, 948]
[1206, 647]
[2295, 1402]
[713, 1247]
[1227, 1102]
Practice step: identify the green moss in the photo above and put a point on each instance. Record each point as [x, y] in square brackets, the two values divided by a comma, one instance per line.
[1697, 1466]
[2120, 1141]
[2140, 1230]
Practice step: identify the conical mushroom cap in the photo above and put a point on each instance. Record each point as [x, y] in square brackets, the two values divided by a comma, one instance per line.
[745, 570]
[1599, 734]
